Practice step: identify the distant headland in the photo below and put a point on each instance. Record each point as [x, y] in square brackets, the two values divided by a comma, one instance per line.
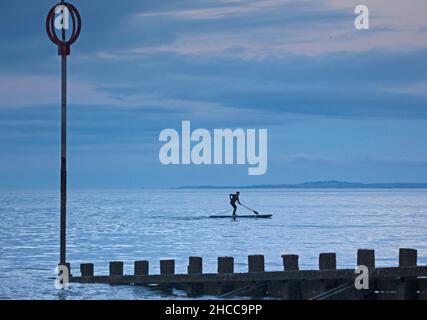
[321, 185]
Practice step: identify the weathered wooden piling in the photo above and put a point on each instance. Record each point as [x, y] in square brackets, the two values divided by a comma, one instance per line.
[407, 257]
[195, 266]
[407, 281]
[290, 262]
[225, 264]
[291, 289]
[225, 267]
[167, 267]
[141, 268]
[407, 287]
[256, 263]
[328, 261]
[366, 258]
[116, 268]
[87, 269]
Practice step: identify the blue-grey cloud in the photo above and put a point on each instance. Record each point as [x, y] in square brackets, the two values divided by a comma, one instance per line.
[297, 68]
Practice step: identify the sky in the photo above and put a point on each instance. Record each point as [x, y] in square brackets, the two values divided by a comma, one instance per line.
[338, 103]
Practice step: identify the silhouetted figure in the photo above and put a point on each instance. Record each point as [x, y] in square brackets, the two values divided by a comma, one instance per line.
[233, 199]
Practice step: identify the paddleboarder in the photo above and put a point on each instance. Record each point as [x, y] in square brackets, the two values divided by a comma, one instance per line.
[234, 197]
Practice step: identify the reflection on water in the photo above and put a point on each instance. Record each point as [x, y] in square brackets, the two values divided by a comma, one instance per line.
[154, 225]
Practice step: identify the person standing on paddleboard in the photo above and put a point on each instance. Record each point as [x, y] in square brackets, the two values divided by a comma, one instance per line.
[233, 199]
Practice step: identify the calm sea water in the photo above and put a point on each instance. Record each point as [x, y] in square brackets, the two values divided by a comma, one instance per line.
[153, 225]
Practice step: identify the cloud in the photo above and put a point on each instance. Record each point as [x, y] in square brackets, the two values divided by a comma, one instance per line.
[226, 9]
[356, 85]
[368, 85]
[25, 90]
[416, 88]
[393, 14]
[277, 43]
[257, 30]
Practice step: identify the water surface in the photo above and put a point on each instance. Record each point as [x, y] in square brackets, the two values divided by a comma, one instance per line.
[174, 224]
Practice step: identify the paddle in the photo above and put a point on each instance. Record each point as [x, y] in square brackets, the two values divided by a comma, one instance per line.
[254, 211]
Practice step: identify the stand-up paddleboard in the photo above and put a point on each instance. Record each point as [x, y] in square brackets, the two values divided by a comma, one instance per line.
[258, 216]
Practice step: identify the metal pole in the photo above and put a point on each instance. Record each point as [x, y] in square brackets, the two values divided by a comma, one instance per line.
[63, 51]
[63, 223]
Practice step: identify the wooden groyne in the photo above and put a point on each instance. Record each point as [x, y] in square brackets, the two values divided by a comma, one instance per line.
[405, 282]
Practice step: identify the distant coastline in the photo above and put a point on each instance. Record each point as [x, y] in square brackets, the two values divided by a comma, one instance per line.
[320, 185]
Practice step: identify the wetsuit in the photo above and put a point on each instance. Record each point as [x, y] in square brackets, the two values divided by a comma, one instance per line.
[233, 199]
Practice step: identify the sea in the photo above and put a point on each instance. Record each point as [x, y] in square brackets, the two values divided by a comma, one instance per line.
[151, 225]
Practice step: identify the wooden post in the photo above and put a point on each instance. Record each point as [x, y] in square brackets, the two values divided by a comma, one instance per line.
[86, 269]
[225, 265]
[256, 263]
[141, 268]
[407, 288]
[407, 257]
[327, 261]
[116, 268]
[290, 262]
[366, 258]
[195, 266]
[291, 290]
[167, 267]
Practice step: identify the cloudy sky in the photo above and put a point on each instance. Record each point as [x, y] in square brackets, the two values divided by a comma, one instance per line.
[339, 103]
